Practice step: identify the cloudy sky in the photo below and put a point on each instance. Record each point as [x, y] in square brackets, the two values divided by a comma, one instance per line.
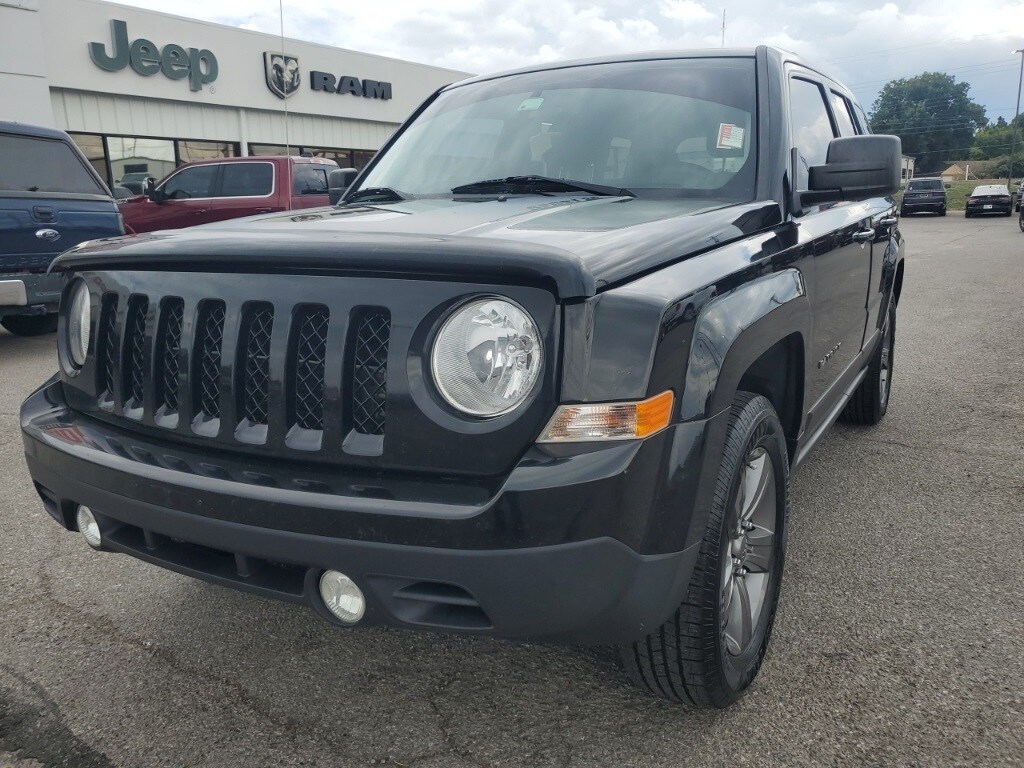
[864, 43]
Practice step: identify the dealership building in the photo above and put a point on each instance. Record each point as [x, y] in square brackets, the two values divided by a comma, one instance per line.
[141, 92]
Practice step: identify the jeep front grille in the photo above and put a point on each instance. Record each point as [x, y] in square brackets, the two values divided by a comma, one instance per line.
[169, 354]
[370, 372]
[259, 326]
[210, 339]
[311, 351]
[206, 368]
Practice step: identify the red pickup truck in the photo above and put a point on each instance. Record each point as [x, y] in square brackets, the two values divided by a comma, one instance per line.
[227, 188]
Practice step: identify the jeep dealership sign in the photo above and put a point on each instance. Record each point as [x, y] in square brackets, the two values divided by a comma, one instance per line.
[199, 65]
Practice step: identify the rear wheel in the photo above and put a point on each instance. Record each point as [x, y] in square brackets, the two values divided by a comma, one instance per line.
[942, 211]
[30, 325]
[870, 401]
[1020, 221]
[711, 649]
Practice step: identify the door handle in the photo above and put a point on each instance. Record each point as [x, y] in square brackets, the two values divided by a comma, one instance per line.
[888, 221]
[864, 235]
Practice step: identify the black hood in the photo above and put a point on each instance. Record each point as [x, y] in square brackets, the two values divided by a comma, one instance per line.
[580, 244]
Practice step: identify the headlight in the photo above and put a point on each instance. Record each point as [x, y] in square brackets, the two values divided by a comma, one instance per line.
[78, 321]
[487, 357]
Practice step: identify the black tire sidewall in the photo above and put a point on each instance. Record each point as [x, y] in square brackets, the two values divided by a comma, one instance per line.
[765, 430]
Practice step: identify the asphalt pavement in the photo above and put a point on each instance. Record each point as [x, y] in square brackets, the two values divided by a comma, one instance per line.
[899, 641]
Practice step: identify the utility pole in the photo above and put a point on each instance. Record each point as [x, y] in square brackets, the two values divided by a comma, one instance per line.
[723, 27]
[1014, 128]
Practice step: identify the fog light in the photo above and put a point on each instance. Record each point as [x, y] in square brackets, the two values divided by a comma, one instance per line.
[342, 597]
[88, 527]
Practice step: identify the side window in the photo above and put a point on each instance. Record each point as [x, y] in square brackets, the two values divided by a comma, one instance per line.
[810, 124]
[309, 180]
[247, 180]
[864, 127]
[191, 182]
[841, 109]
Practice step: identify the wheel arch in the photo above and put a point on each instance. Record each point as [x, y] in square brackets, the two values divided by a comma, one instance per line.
[753, 338]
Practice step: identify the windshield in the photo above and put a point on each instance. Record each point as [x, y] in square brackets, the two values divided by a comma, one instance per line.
[680, 128]
[929, 185]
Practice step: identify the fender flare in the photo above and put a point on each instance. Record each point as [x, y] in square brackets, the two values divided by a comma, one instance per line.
[733, 331]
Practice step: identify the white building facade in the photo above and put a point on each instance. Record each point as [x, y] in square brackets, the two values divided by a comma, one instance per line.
[141, 92]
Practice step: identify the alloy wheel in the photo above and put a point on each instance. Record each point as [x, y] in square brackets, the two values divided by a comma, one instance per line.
[749, 557]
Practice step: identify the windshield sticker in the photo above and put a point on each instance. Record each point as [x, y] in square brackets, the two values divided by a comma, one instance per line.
[730, 136]
[528, 104]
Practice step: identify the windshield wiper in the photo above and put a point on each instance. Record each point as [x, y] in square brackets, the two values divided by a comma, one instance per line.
[378, 195]
[538, 184]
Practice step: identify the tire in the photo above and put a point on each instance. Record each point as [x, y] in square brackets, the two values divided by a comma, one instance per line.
[692, 658]
[942, 211]
[903, 212]
[1020, 222]
[967, 214]
[870, 401]
[30, 325]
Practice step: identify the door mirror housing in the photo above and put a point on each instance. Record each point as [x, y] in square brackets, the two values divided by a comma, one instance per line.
[856, 168]
[338, 182]
[150, 190]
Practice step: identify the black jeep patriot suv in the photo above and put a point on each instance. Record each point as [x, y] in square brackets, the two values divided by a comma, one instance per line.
[542, 373]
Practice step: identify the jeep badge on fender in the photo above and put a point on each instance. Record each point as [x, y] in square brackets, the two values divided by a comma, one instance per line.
[542, 372]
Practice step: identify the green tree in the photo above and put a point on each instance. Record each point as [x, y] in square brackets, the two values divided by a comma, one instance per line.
[995, 141]
[933, 116]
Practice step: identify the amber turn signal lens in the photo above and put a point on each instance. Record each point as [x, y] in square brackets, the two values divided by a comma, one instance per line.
[609, 421]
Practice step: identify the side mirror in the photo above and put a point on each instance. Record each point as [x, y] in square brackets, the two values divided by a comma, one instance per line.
[856, 168]
[149, 190]
[338, 182]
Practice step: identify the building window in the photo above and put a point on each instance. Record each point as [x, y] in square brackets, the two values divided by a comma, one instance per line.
[190, 151]
[345, 158]
[92, 148]
[127, 161]
[133, 159]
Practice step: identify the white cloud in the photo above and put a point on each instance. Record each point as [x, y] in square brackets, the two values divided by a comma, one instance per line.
[863, 42]
[685, 10]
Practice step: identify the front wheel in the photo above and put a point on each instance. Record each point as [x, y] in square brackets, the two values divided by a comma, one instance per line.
[30, 325]
[1020, 221]
[942, 211]
[711, 649]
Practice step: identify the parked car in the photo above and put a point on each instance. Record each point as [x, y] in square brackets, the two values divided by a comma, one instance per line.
[544, 372]
[1017, 195]
[924, 194]
[229, 188]
[50, 200]
[135, 182]
[988, 198]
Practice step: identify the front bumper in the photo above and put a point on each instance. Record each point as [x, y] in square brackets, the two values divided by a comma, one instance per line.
[29, 293]
[214, 526]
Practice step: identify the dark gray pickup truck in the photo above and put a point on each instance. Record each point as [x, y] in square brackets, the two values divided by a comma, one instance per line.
[543, 372]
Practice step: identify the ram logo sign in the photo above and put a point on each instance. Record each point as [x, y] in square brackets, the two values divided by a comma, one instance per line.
[282, 72]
